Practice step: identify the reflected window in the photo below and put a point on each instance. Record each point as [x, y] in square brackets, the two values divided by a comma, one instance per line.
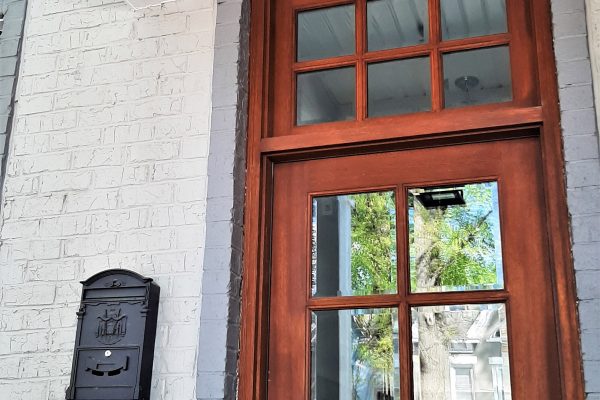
[396, 23]
[461, 382]
[354, 355]
[354, 244]
[326, 32]
[468, 18]
[326, 96]
[453, 357]
[399, 87]
[454, 238]
[479, 76]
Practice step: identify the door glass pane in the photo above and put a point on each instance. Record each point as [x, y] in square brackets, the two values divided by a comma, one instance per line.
[454, 238]
[396, 23]
[468, 18]
[477, 77]
[326, 32]
[354, 244]
[354, 355]
[326, 96]
[399, 87]
[460, 352]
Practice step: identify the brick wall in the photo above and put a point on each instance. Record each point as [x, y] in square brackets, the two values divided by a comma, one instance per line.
[107, 169]
[580, 139]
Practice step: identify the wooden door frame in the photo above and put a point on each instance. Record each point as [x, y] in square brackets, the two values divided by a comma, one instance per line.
[263, 152]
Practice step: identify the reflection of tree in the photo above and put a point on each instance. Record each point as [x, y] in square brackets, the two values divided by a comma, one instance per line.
[375, 338]
[373, 260]
[373, 243]
[451, 247]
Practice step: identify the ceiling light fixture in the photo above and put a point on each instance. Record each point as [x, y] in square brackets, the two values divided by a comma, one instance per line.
[442, 199]
[466, 84]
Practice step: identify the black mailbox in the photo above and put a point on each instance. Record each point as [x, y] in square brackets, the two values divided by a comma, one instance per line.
[114, 346]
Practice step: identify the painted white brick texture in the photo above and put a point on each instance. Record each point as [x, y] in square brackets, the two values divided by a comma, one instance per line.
[107, 168]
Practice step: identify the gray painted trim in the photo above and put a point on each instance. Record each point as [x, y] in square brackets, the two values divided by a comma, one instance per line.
[582, 162]
[14, 11]
[221, 284]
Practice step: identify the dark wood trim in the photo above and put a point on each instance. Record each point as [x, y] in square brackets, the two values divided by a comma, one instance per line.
[538, 109]
[361, 67]
[405, 351]
[437, 71]
[413, 299]
[409, 126]
[398, 53]
[404, 144]
[252, 367]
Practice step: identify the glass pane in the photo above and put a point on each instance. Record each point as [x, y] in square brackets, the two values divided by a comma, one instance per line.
[477, 77]
[467, 18]
[460, 352]
[454, 236]
[354, 355]
[326, 96]
[399, 87]
[326, 32]
[396, 23]
[354, 244]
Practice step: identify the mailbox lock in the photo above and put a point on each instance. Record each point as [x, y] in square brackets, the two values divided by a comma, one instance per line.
[107, 353]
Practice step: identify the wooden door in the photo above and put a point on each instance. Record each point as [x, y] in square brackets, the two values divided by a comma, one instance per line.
[432, 282]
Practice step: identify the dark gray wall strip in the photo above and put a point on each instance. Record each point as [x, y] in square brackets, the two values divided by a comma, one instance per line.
[221, 284]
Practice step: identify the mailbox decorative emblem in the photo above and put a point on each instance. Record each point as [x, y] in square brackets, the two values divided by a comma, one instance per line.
[112, 326]
[116, 329]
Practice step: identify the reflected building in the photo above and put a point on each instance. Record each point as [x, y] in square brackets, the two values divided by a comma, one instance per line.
[477, 347]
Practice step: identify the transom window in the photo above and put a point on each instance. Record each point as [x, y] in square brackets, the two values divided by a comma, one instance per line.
[411, 55]
[356, 66]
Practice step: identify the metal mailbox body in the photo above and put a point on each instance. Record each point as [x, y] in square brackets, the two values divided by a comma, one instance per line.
[116, 329]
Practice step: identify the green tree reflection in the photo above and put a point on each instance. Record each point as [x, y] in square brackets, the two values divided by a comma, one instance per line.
[450, 247]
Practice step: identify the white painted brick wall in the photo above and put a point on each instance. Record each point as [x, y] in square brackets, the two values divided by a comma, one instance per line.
[107, 169]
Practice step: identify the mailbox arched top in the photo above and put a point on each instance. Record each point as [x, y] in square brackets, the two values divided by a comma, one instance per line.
[116, 278]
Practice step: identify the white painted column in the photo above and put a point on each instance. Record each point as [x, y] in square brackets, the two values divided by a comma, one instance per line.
[593, 24]
[345, 275]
